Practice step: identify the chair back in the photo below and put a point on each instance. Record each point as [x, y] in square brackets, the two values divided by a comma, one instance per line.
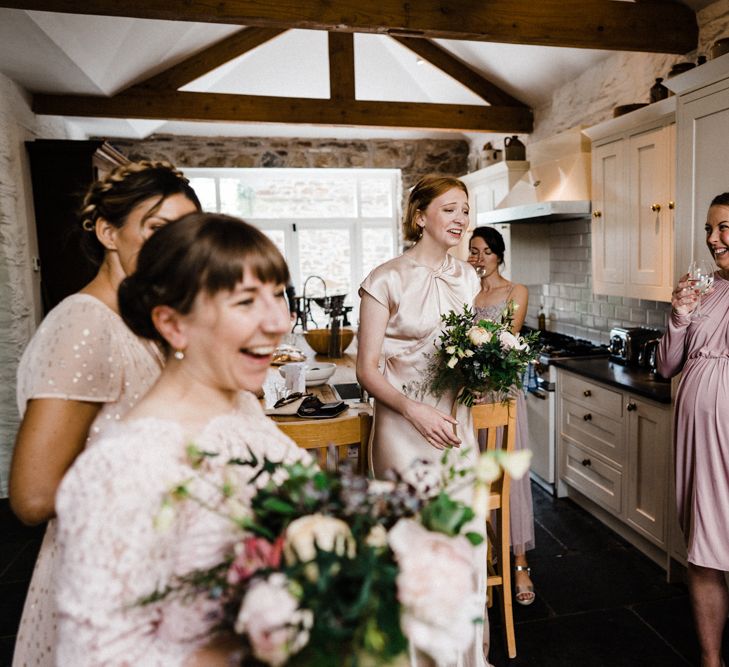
[498, 421]
[317, 435]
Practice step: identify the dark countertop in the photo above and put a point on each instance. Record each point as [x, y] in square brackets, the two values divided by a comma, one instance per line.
[636, 380]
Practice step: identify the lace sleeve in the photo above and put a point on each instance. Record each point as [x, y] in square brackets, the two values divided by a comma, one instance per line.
[110, 558]
[73, 355]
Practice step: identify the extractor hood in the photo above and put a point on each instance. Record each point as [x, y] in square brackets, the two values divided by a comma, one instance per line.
[556, 187]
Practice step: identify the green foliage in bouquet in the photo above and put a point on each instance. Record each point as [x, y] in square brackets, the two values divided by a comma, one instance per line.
[480, 358]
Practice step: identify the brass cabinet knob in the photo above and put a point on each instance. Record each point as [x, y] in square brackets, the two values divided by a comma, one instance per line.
[587, 392]
[655, 208]
[631, 406]
[597, 214]
[587, 417]
[671, 205]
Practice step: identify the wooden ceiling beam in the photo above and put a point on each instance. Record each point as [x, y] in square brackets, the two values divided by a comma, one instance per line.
[460, 71]
[592, 24]
[208, 59]
[187, 106]
[341, 65]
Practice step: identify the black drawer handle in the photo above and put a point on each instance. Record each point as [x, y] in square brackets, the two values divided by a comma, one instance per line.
[587, 417]
[587, 393]
[586, 462]
[631, 406]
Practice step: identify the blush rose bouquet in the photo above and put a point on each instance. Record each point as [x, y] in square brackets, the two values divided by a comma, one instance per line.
[331, 569]
[480, 359]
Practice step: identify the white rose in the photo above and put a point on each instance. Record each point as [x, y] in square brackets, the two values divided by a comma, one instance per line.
[452, 362]
[487, 468]
[271, 618]
[451, 349]
[508, 340]
[517, 463]
[479, 335]
[306, 533]
[468, 353]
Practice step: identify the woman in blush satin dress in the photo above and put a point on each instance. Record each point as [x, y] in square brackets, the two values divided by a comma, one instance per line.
[84, 369]
[209, 289]
[486, 253]
[400, 321]
[699, 349]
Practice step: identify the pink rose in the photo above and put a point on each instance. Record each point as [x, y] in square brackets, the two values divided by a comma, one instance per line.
[252, 554]
[437, 588]
[271, 619]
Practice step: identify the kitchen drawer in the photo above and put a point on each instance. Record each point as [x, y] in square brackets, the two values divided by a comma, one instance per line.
[596, 397]
[593, 430]
[598, 481]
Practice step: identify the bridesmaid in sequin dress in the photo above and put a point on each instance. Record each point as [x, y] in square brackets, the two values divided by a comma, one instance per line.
[84, 369]
[210, 290]
[486, 254]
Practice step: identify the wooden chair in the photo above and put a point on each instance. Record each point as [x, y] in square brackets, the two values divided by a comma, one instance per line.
[342, 432]
[499, 422]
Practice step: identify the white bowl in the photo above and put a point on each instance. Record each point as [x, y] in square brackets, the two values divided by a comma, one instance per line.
[316, 373]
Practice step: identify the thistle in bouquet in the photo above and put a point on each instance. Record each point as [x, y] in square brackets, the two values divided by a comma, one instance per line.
[330, 569]
[480, 358]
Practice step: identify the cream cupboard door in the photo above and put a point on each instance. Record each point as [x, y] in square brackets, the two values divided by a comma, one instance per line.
[650, 214]
[649, 449]
[609, 242]
[703, 146]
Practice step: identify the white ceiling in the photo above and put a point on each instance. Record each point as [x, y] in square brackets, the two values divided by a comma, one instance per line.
[95, 55]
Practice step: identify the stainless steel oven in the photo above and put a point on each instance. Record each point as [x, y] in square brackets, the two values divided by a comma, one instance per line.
[541, 402]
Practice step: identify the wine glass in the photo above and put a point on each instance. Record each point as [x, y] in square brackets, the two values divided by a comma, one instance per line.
[700, 279]
[480, 271]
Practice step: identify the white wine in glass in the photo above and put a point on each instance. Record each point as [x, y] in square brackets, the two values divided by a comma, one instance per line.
[700, 278]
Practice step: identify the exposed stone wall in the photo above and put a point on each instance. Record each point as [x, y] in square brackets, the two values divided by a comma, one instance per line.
[414, 157]
[19, 293]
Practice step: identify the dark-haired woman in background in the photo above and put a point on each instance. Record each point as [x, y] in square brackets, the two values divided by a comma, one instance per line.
[486, 255]
[83, 368]
[698, 348]
[210, 290]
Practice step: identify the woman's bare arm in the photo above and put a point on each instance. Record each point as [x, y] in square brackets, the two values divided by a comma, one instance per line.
[520, 297]
[435, 426]
[52, 434]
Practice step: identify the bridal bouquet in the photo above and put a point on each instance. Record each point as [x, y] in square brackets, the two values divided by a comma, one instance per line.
[480, 358]
[331, 569]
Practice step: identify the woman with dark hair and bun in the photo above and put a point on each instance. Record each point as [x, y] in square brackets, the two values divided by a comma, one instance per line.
[210, 290]
[83, 369]
[486, 254]
[698, 348]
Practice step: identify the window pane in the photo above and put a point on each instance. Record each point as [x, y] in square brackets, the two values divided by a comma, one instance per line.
[376, 247]
[235, 197]
[325, 253]
[278, 236]
[303, 196]
[205, 191]
[376, 198]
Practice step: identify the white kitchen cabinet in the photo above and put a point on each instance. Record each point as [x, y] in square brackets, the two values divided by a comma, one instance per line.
[614, 448]
[702, 118]
[633, 203]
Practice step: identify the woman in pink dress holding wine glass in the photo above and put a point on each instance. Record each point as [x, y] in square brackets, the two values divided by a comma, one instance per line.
[697, 346]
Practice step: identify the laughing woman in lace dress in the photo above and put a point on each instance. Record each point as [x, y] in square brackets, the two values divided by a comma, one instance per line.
[486, 254]
[210, 290]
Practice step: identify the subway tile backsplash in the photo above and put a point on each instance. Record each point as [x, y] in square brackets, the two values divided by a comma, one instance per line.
[569, 304]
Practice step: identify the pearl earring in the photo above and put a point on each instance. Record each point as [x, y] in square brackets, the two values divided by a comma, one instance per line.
[179, 355]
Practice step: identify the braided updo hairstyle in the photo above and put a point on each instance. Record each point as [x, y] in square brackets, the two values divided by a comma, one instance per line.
[117, 194]
[425, 191]
[201, 252]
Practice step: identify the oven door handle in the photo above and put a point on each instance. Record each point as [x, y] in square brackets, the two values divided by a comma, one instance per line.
[539, 393]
